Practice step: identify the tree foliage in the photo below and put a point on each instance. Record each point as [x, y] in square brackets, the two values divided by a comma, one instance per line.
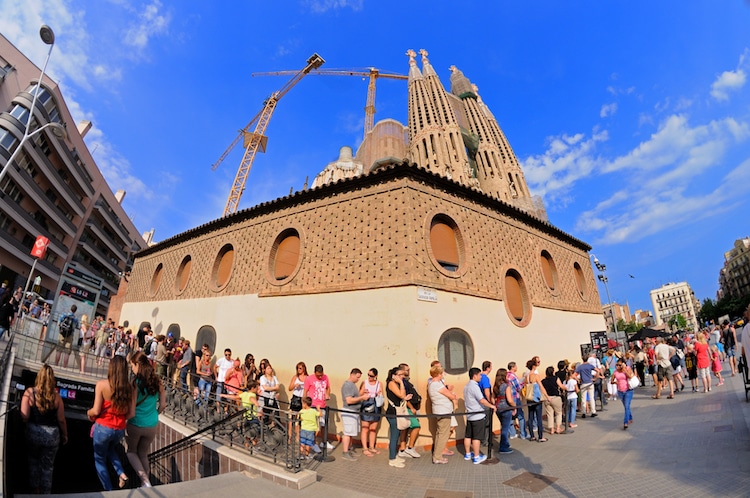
[677, 322]
[728, 305]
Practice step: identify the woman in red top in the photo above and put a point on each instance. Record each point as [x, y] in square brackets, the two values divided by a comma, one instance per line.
[114, 404]
[703, 361]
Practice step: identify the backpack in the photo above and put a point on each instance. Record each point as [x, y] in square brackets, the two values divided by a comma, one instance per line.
[149, 345]
[66, 325]
[675, 361]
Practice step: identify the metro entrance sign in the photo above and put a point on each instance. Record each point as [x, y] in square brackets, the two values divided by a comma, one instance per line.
[40, 247]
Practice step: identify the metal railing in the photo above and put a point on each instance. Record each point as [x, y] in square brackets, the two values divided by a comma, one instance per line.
[272, 434]
[32, 345]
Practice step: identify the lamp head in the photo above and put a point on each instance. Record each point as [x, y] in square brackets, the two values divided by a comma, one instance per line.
[47, 35]
[58, 130]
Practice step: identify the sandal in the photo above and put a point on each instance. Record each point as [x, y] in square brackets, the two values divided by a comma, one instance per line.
[671, 396]
[448, 453]
[123, 481]
[367, 453]
[543, 440]
[655, 397]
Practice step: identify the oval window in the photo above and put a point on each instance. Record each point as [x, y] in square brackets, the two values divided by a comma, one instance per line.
[445, 243]
[223, 266]
[156, 279]
[183, 273]
[516, 298]
[455, 351]
[549, 270]
[580, 279]
[286, 254]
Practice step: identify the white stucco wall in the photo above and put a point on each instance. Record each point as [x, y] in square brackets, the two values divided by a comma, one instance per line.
[372, 328]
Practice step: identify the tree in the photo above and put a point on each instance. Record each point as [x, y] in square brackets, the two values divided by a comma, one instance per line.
[627, 327]
[677, 322]
[707, 312]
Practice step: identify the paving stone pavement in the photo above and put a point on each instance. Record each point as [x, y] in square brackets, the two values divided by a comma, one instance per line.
[695, 445]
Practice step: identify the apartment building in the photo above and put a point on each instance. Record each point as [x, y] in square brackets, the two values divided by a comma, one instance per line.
[54, 189]
[675, 299]
[734, 277]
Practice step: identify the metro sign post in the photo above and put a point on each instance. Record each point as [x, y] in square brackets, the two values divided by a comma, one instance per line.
[38, 251]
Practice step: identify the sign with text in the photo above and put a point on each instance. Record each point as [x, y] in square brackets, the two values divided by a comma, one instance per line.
[598, 340]
[40, 247]
[426, 294]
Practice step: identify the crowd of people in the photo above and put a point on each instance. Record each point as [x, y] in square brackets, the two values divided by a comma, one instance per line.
[127, 403]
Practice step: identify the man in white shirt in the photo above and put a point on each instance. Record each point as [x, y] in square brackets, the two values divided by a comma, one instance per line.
[663, 354]
[221, 367]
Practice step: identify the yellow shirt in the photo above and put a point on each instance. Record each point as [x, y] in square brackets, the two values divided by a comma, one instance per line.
[309, 418]
[252, 406]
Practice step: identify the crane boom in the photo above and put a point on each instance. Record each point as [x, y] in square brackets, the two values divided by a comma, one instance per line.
[235, 141]
[371, 73]
[257, 139]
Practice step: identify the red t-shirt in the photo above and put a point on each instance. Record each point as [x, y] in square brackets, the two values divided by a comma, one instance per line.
[701, 351]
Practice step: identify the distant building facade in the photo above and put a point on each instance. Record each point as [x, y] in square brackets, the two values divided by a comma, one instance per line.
[643, 317]
[675, 299]
[734, 277]
[618, 311]
[55, 189]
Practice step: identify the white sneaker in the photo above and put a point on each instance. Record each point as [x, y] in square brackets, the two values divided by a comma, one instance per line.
[412, 452]
[396, 463]
[329, 445]
[399, 459]
[404, 454]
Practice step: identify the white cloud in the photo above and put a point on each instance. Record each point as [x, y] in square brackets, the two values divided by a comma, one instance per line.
[608, 110]
[730, 81]
[321, 6]
[568, 159]
[151, 22]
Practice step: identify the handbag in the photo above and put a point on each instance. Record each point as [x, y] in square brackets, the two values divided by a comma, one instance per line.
[295, 404]
[379, 399]
[634, 382]
[402, 423]
[368, 406]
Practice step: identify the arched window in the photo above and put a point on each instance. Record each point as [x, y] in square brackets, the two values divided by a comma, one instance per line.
[286, 254]
[455, 351]
[516, 298]
[156, 279]
[174, 329]
[580, 279]
[446, 243]
[183, 274]
[206, 335]
[549, 270]
[223, 266]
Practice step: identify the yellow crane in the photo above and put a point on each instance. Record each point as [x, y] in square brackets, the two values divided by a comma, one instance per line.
[257, 140]
[372, 73]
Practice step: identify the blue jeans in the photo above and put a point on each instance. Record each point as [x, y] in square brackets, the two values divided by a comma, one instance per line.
[572, 407]
[535, 418]
[506, 421]
[626, 397]
[204, 387]
[393, 436]
[183, 377]
[106, 441]
[521, 423]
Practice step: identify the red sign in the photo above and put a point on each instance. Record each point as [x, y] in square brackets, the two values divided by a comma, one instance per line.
[40, 247]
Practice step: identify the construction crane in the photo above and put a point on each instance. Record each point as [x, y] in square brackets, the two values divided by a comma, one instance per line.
[257, 140]
[372, 73]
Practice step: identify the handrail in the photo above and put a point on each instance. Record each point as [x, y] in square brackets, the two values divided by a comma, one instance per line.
[191, 439]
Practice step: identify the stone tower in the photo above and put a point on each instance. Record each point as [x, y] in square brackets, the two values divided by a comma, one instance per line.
[498, 170]
[435, 140]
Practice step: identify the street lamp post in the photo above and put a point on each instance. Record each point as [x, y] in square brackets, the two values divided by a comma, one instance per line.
[603, 278]
[48, 37]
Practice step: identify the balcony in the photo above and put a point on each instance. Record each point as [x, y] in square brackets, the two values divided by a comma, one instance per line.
[98, 230]
[21, 252]
[26, 222]
[100, 256]
[24, 181]
[113, 220]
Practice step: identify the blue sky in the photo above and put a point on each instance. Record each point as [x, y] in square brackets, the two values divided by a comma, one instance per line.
[631, 119]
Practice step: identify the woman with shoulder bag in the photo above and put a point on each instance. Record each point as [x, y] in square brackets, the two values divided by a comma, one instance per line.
[506, 408]
[621, 379]
[297, 386]
[535, 393]
[442, 404]
[395, 391]
[370, 412]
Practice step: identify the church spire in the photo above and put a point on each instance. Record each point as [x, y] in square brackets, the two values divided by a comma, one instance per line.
[426, 66]
[414, 72]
